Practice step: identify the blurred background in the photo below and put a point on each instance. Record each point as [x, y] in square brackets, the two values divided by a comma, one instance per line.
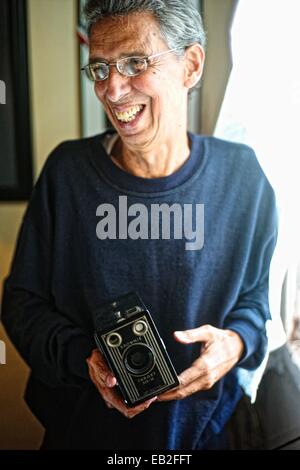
[250, 93]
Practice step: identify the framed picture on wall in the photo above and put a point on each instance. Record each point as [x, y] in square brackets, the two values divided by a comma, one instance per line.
[16, 176]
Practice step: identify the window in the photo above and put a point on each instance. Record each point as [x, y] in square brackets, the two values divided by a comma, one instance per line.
[262, 108]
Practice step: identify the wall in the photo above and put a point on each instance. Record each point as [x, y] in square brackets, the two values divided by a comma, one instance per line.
[54, 82]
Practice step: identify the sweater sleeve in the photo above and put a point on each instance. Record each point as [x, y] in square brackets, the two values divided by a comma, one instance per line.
[54, 347]
[249, 315]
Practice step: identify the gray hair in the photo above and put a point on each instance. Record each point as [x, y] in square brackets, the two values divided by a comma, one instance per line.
[180, 22]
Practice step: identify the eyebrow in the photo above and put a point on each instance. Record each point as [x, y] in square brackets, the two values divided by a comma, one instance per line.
[137, 53]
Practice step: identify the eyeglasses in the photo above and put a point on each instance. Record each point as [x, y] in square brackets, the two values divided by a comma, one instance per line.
[128, 66]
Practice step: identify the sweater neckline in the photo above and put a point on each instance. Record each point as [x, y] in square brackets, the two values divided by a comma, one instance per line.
[129, 183]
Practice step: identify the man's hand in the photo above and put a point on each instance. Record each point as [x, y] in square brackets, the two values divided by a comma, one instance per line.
[221, 350]
[105, 382]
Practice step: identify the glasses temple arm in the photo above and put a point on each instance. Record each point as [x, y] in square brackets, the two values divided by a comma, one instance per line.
[162, 53]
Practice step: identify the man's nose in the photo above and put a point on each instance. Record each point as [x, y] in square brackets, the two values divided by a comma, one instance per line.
[117, 85]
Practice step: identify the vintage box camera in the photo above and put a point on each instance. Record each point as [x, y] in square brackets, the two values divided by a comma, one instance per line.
[127, 337]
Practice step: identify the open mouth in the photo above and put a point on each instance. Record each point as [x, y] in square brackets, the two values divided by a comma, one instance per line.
[130, 116]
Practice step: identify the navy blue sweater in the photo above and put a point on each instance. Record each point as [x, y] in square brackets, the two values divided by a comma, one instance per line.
[62, 271]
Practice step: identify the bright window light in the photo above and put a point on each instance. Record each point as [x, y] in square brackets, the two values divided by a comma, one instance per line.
[262, 109]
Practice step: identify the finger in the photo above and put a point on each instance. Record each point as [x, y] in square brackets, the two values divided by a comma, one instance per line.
[102, 377]
[114, 400]
[197, 370]
[131, 412]
[110, 380]
[105, 380]
[108, 394]
[203, 383]
[92, 375]
[117, 402]
[96, 375]
[109, 405]
[203, 333]
[207, 365]
[102, 372]
[97, 362]
[169, 396]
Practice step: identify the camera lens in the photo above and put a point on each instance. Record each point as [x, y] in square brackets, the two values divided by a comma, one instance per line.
[138, 359]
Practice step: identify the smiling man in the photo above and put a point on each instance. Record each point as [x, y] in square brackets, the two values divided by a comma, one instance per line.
[210, 305]
[148, 109]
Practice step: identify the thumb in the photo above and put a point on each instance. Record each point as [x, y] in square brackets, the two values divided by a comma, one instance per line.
[192, 336]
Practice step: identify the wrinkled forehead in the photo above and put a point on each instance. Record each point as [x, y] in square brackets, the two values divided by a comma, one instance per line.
[136, 33]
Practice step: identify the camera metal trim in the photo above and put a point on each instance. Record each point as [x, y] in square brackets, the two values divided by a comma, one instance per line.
[117, 319]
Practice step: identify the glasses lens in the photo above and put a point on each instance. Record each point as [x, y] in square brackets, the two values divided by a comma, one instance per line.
[131, 66]
[97, 72]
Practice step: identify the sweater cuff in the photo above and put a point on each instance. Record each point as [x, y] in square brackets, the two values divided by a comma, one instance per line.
[255, 344]
[79, 349]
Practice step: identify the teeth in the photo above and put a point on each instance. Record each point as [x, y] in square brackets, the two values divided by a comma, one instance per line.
[129, 114]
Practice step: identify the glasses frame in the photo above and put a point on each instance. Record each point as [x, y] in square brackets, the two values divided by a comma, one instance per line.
[118, 62]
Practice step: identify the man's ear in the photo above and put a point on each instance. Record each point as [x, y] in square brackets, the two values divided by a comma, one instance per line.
[194, 62]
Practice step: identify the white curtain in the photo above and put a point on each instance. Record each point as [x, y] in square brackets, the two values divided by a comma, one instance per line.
[262, 108]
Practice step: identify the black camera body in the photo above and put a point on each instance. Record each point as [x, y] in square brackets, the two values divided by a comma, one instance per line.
[134, 350]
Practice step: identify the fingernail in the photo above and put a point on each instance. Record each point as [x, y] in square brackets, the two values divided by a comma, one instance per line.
[152, 400]
[110, 381]
[180, 334]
